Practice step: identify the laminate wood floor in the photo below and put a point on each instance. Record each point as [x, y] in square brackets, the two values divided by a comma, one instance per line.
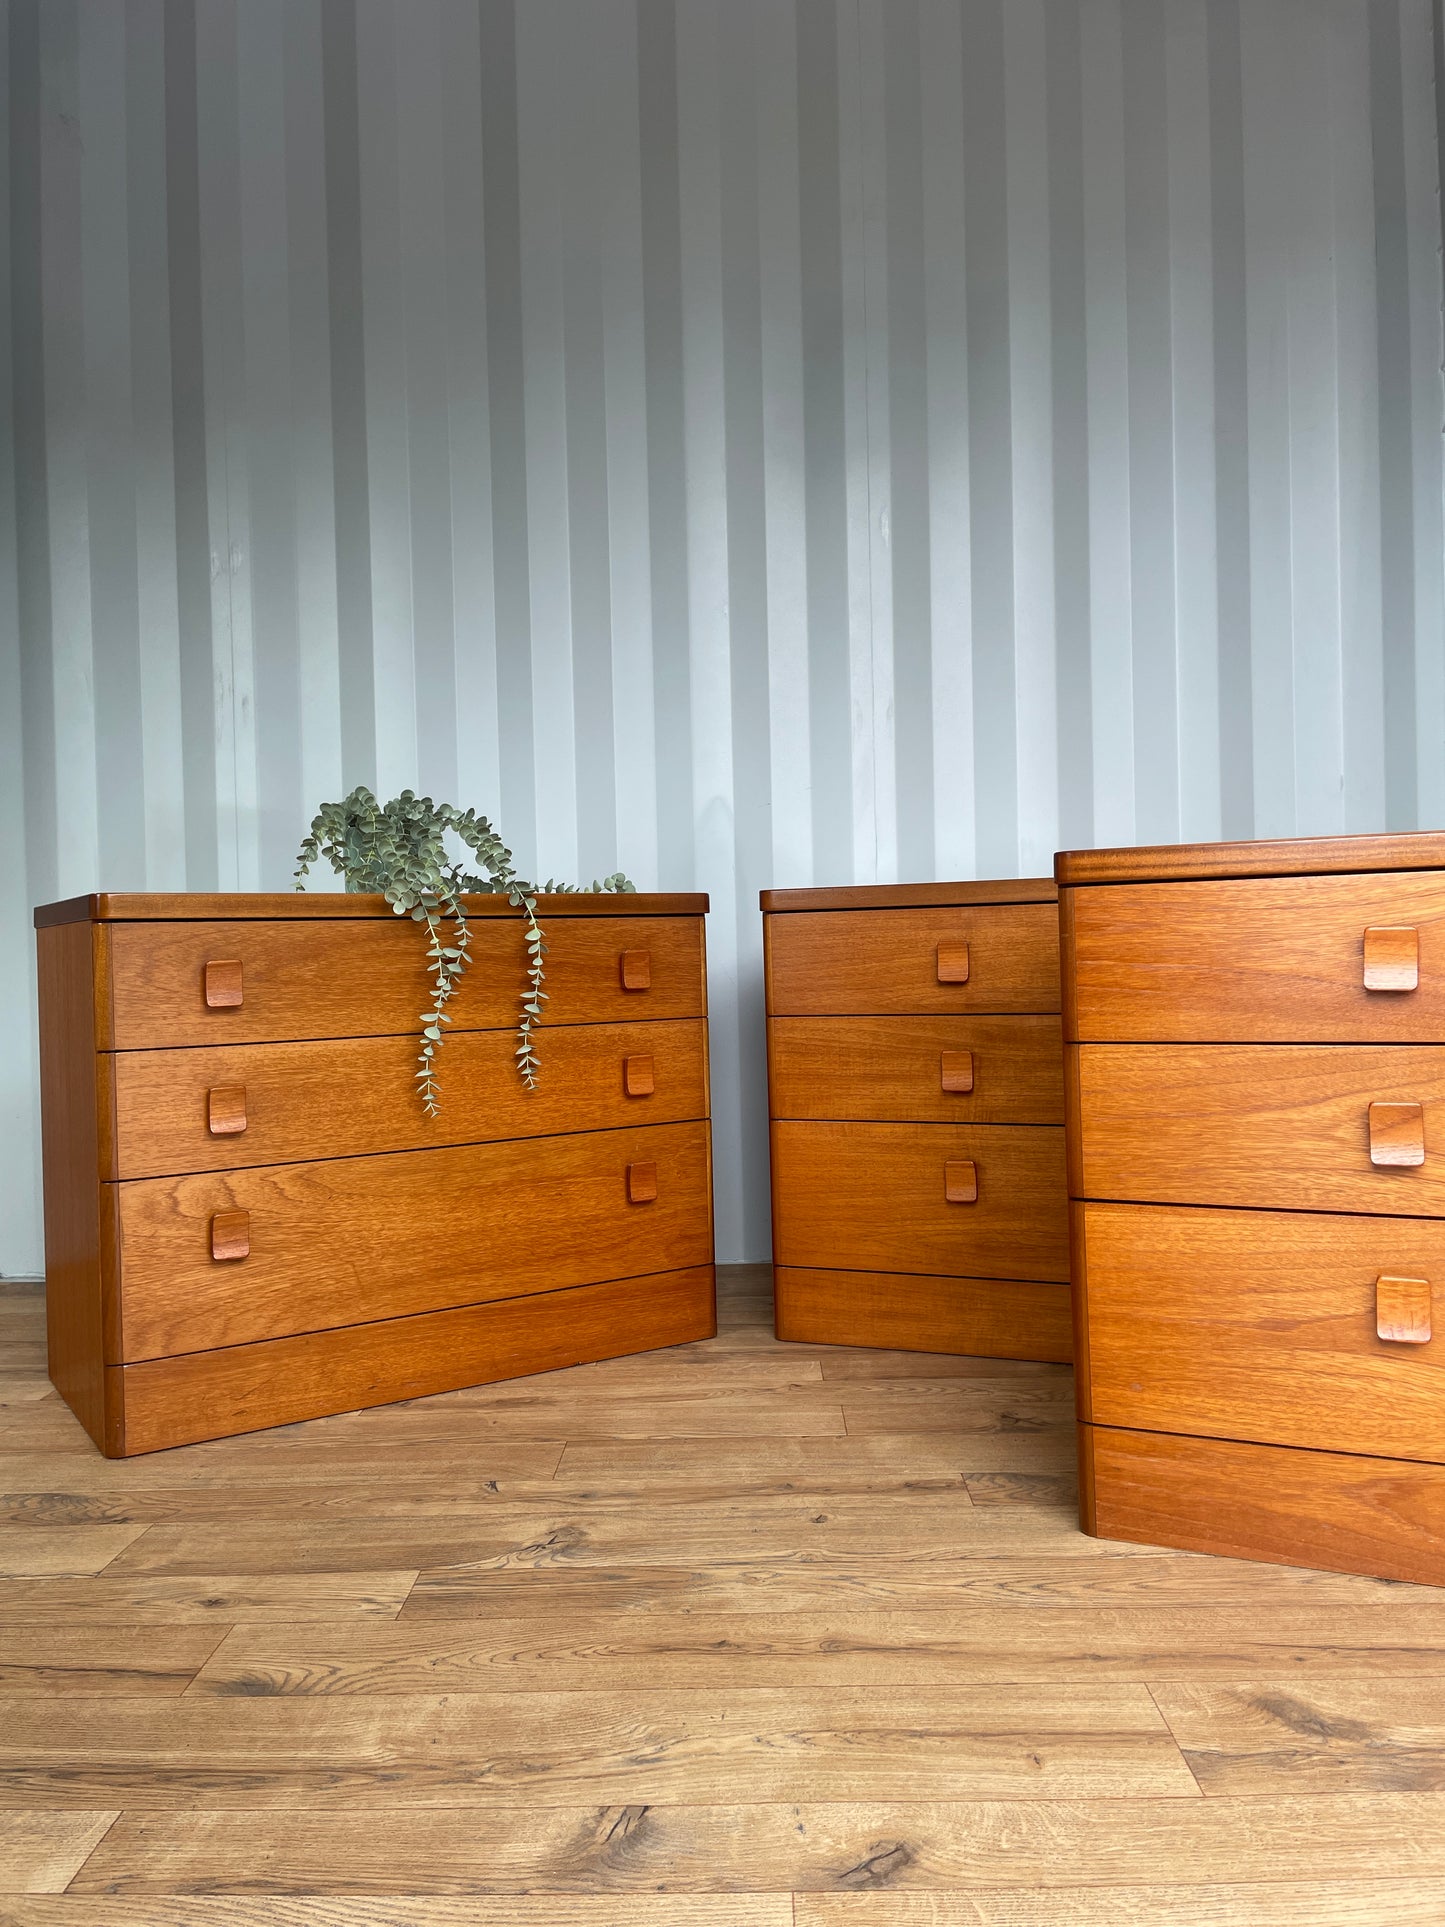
[736, 1635]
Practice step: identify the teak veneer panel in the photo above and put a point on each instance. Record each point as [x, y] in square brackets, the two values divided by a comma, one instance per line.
[242, 1388]
[1283, 1126]
[77, 1230]
[983, 1317]
[346, 1097]
[192, 906]
[1309, 856]
[870, 1197]
[888, 1069]
[1246, 1501]
[905, 896]
[1268, 960]
[351, 1239]
[833, 963]
[1261, 1326]
[368, 978]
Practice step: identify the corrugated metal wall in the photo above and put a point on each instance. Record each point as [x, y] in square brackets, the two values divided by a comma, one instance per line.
[745, 441]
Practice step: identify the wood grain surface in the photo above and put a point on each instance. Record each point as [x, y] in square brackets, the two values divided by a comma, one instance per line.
[889, 1069]
[870, 1197]
[1283, 856]
[347, 1097]
[108, 906]
[1264, 960]
[333, 978]
[1284, 1126]
[903, 896]
[995, 1317]
[1352, 1514]
[724, 1636]
[1262, 1325]
[556, 1211]
[867, 962]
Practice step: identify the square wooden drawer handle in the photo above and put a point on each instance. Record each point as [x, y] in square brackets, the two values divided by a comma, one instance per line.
[956, 1070]
[1392, 958]
[960, 1181]
[1397, 1134]
[231, 1234]
[953, 963]
[226, 1110]
[637, 1077]
[223, 984]
[637, 970]
[1402, 1309]
[641, 1183]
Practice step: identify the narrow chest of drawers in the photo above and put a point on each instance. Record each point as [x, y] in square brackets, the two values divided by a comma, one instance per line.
[1256, 1093]
[916, 1110]
[250, 1219]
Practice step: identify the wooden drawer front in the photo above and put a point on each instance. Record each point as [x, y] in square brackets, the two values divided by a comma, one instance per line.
[858, 962]
[1274, 958]
[1293, 1508]
[355, 1239]
[349, 1096]
[207, 1395]
[977, 1070]
[1282, 1125]
[974, 1317]
[368, 978]
[1262, 1325]
[872, 1197]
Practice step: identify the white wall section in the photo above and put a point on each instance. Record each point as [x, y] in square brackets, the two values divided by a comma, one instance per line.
[740, 441]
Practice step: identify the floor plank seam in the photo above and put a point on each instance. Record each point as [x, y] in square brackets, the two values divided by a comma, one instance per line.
[115, 1821]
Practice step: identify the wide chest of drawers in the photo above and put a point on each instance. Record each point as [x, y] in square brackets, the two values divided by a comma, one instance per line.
[915, 1086]
[250, 1219]
[1256, 1091]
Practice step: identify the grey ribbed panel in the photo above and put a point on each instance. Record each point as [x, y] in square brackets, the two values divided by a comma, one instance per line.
[744, 441]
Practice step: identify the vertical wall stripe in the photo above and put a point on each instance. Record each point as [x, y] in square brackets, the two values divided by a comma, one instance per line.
[743, 442]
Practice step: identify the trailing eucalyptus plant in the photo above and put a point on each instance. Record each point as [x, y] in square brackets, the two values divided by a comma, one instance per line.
[399, 849]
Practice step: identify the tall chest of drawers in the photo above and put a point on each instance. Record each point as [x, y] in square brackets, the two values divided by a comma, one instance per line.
[916, 1099]
[1256, 1090]
[249, 1218]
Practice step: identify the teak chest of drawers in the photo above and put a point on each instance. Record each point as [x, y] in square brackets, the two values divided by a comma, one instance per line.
[1256, 1089]
[249, 1219]
[915, 1086]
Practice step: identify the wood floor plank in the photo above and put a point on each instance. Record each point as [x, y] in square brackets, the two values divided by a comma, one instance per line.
[511, 1910]
[1071, 1572]
[1059, 1490]
[1313, 1903]
[860, 1364]
[870, 1463]
[627, 1747]
[55, 1661]
[952, 1404]
[1401, 1646]
[40, 1852]
[799, 1846]
[32, 1552]
[263, 1461]
[194, 1597]
[1280, 1734]
[782, 1528]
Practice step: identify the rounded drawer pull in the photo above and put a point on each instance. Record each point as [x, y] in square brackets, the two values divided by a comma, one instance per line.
[955, 1071]
[637, 970]
[960, 1181]
[1392, 957]
[637, 1076]
[1397, 1134]
[224, 989]
[226, 1110]
[230, 1235]
[641, 1183]
[952, 963]
[1402, 1309]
